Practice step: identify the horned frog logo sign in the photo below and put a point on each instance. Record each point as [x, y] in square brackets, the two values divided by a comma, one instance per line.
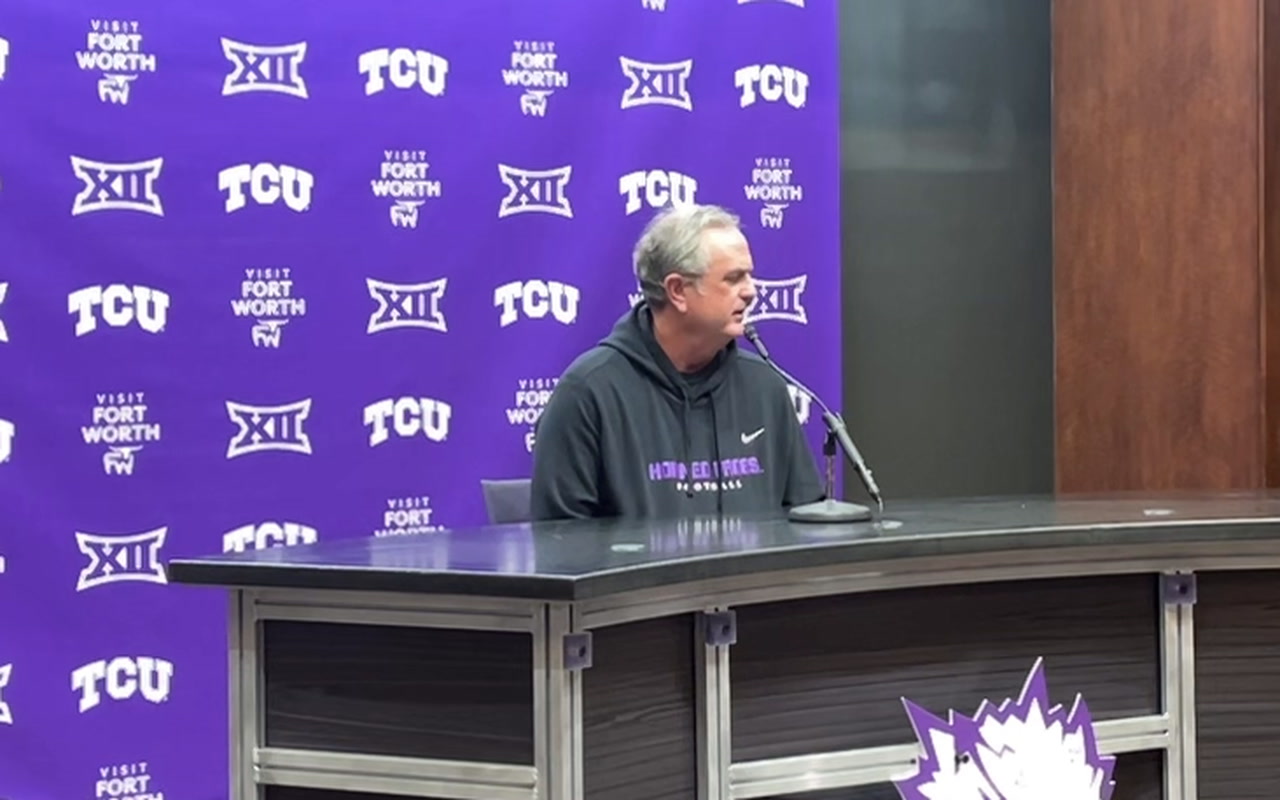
[1021, 749]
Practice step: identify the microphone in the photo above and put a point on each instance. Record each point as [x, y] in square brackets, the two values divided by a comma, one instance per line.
[830, 510]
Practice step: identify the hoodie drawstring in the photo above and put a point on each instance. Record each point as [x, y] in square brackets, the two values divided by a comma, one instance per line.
[716, 467]
[685, 456]
[716, 471]
[633, 337]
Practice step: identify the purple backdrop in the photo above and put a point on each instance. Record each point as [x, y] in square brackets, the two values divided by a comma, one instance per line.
[273, 272]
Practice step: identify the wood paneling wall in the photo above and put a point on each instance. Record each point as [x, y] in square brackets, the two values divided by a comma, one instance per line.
[1270, 255]
[1159, 252]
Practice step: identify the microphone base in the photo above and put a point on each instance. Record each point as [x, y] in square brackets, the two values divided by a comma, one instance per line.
[828, 511]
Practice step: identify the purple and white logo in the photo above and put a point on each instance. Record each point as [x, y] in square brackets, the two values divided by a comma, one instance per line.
[407, 516]
[779, 300]
[120, 421]
[264, 535]
[531, 396]
[535, 191]
[801, 402]
[266, 184]
[118, 305]
[405, 68]
[1018, 750]
[656, 188]
[7, 431]
[6, 714]
[408, 417]
[120, 559]
[773, 185]
[113, 47]
[657, 84]
[771, 83]
[122, 678]
[263, 428]
[268, 295]
[535, 69]
[264, 68]
[126, 782]
[407, 305]
[112, 186]
[535, 299]
[403, 178]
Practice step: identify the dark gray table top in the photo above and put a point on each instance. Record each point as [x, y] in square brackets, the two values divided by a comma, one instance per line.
[584, 559]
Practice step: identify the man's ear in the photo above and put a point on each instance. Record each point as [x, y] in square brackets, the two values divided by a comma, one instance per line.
[677, 291]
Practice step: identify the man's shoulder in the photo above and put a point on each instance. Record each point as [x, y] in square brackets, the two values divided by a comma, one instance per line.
[593, 367]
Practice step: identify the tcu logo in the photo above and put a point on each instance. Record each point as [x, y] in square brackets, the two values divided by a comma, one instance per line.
[779, 299]
[4, 56]
[4, 334]
[258, 68]
[117, 187]
[267, 534]
[7, 431]
[800, 402]
[772, 83]
[536, 299]
[410, 416]
[121, 305]
[263, 428]
[660, 188]
[124, 676]
[6, 670]
[267, 183]
[657, 84]
[407, 305]
[404, 67]
[117, 559]
[541, 191]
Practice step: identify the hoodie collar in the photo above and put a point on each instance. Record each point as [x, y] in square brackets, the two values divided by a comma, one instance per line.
[632, 335]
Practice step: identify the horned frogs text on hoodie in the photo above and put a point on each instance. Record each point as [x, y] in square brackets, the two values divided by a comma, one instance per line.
[624, 434]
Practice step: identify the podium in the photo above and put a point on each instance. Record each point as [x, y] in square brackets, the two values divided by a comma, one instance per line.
[709, 659]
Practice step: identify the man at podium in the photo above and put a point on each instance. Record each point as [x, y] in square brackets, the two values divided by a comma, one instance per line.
[667, 416]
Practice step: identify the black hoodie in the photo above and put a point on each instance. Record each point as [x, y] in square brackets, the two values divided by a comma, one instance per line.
[624, 431]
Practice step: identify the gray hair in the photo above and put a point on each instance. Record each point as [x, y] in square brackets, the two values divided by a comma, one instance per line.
[672, 242]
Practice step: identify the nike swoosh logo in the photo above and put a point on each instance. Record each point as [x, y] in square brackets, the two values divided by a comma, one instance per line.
[748, 438]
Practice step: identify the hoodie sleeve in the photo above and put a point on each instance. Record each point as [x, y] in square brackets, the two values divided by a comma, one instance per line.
[566, 455]
[804, 483]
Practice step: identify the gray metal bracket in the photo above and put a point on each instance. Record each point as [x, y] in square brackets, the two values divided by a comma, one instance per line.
[577, 651]
[1178, 589]
[720, 628]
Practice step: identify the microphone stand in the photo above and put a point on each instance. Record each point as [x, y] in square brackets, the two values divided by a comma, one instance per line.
[830, 509]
